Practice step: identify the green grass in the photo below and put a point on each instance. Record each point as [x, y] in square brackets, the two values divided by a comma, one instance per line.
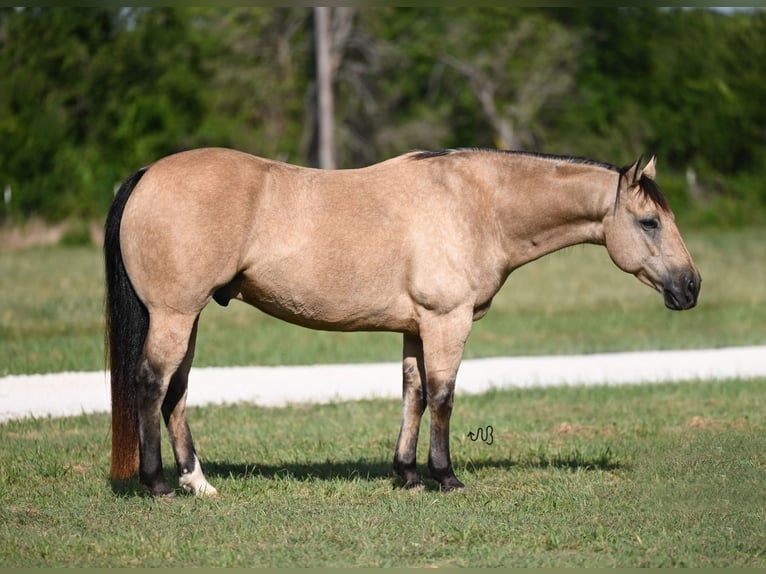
[574, 301]
[658, 475]
[665, 475]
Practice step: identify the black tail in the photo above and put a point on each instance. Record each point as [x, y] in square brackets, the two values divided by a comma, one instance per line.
[126, 323]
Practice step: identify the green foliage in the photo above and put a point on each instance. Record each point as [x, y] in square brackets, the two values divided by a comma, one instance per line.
[91, 94]
[77, 234]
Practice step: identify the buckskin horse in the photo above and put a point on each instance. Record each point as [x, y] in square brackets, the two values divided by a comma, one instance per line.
[418, 244]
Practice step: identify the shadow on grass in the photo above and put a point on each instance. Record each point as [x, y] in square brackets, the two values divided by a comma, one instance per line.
[367, 469]
[129, 488]
[360, 469]
[374, 469]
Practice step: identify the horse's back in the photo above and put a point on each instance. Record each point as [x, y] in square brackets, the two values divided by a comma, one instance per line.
[301, 241]
[336, 249]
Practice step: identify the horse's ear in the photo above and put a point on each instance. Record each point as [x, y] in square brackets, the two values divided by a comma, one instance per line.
[632, 174]
[650, 170]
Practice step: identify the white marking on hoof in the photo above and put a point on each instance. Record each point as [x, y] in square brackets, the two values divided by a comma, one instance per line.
[195, 482]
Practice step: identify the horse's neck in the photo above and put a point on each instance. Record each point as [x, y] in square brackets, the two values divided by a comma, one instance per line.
[548, 209]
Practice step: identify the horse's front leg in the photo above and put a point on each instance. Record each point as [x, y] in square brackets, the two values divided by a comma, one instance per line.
[444, 340]
[413, 406]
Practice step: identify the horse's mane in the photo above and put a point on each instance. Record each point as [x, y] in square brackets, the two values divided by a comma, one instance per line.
[424, 154]
[648, 187]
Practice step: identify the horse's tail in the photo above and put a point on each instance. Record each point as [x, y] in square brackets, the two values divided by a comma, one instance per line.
[126, 326]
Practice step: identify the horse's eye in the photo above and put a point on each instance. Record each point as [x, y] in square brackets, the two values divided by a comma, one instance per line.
[650, 223]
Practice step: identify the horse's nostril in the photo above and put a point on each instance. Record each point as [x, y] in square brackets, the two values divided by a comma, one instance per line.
[692, 287]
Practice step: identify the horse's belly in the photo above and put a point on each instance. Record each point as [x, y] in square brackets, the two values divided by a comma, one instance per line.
[331, 309]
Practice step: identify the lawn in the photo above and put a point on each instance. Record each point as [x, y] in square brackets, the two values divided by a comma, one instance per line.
[655, 475]
[665, 475]
[573, 301]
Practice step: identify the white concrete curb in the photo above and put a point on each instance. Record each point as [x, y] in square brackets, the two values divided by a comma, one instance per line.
[66, 394]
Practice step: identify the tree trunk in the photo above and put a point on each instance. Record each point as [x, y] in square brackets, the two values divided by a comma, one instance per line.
[325, 103]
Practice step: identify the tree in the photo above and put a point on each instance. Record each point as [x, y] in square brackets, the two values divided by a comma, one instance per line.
[89, 95]
[516, 76]
[325, 85]
[45, 56]
[259, 65]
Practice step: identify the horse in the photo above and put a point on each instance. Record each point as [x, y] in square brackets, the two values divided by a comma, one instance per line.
[418, 244]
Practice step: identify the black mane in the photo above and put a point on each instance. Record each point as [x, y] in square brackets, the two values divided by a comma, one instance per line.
[648, 186]
[424, 154]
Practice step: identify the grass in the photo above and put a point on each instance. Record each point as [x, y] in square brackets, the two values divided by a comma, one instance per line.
[574, 301]
[665, 475]
[661, 475]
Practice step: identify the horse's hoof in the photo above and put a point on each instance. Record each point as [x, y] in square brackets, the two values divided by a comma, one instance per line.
[206, 491]
[196, 483]
[200, 488]
[165, 496]
[452, 484]
[414, 485]
[449, 488]
[162, 491]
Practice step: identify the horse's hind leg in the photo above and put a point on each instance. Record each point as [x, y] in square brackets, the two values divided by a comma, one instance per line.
[166, 348]
[174, 413]
[413, 406]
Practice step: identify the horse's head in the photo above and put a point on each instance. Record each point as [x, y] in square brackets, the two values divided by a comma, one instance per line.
[642, 238]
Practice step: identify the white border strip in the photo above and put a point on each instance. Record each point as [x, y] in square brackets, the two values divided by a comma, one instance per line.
[67, 394]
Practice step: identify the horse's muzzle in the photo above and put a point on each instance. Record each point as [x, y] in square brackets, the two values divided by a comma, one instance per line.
[682, 291]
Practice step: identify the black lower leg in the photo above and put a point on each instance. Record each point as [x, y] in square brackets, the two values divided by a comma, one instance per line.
[150, 394]
[174, 413]
[445, 476]
[413, 407]
[406, 469]
[439, 460]
[150, 472]
[440, 467]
